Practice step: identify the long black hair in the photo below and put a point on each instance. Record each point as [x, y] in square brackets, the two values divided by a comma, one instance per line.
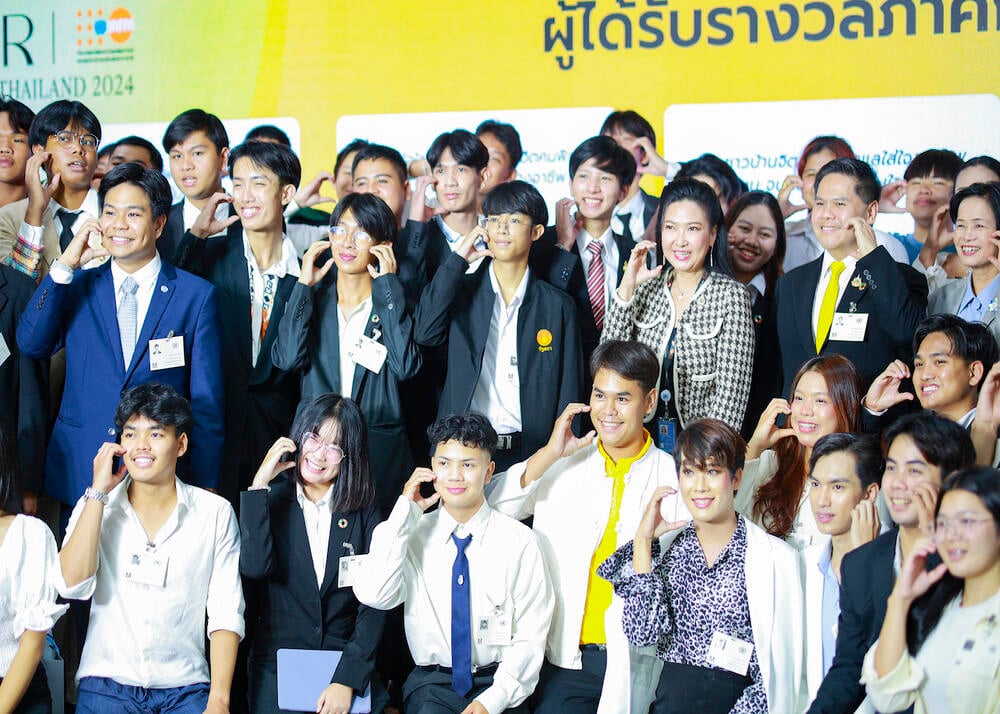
[353, 489]
[926, 611]
[700, 193]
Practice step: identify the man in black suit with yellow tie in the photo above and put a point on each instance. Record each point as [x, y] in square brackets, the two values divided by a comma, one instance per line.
[854, 300]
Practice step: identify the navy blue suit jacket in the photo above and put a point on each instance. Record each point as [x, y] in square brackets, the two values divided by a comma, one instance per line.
[82, 317]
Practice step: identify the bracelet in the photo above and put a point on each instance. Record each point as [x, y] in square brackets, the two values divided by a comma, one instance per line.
[92, 494]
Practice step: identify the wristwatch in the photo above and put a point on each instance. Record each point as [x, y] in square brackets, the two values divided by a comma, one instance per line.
[94, 494]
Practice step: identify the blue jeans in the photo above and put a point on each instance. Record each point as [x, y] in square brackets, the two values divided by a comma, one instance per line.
[101, 695]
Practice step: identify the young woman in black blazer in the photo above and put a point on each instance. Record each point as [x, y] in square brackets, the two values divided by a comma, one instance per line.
[321, 499]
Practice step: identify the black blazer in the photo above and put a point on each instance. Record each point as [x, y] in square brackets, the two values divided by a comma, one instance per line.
[308, 343]
[260, 399]
[173, 231]
[458, 309]
[893, 295]
[294, 611]
[766, 384]
[24, 385]
[867, 577]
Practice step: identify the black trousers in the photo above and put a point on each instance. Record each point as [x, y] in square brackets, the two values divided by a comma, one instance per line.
[572, 691]
[687, 688]
[430, 692]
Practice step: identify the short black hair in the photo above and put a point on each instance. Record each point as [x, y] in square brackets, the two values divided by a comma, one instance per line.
[374, 152]
[106, 150]
[353, 489]
[57, 116]
[943, 163]
[941, 441]
[987, 162]
[989, 192]
[731, 185]
[18, 113]
[469, 429]
[280, 160]
[866, 183]
[710, 441]
[187, 123]
[372, 214]
[354, 146]
[507, 135]
[155, 158]
[465, 146]
[151, 181]
[268, 132]
[160, 403]
[517, 197]
[972, 341]
[701, 194]
[608, 156]
[629, 121]
[632, 360]
[869, 463]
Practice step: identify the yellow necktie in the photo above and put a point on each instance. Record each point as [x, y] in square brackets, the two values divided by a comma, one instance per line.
[829, 304]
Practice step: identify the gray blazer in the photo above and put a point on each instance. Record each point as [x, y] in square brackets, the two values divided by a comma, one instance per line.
[948, 299]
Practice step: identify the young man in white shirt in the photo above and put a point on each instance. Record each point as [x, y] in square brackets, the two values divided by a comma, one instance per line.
[157, 556]
[587, 498]
[487, 659]
[845, 471]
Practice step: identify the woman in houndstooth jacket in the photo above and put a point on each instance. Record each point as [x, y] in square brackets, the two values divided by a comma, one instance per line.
[691, 311]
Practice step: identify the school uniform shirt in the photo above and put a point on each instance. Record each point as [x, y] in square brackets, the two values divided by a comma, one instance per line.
[635, 209]
[351, 327]
[318, 517]
[264, 285]
[454, 240]
[410, 562]
[571, 504]
[609, 256]
[681, 604]
[152, 635]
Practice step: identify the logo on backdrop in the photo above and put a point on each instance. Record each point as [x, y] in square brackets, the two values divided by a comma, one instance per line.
[103, 35]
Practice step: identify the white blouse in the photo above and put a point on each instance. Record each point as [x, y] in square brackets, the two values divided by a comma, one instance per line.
[28, 561]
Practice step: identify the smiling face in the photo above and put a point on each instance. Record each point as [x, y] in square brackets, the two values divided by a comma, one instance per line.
[14, 152]
[511, 235]
[974, 227]
[457, 184]
[813, 415]
[128, 227]
[835, 205]
[320, 455]
[351, 246]
[708, 490]
[906, 470]
[259, 197]
[151, 450]
[595, 191]
[197, 165]
[73, 161]
[461, 473]
[686, 238]
[967, 536]
[380, 178]
[617, 408]
[943, 380]
[834, 491]
[752, 240]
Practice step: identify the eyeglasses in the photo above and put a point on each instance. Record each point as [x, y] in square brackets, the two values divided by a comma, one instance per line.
[511, 222]
[87, 141]
[311, 443]
[339, 236]
[963, 528]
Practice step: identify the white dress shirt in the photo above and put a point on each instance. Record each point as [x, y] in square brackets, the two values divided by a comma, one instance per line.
[410, 562]
[191, 212]
[152, 636]
[34, 235]
[146, 277]
[635, 208]
[609, 257]
[498, 392]
[824, 279]
[28, 566]
[351, 327]
[454, 239]
[318, 516]
[287, 264]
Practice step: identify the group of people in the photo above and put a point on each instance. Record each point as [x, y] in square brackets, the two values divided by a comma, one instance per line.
[435, 452]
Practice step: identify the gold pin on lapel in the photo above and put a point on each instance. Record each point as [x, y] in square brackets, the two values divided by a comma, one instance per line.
[858, 283]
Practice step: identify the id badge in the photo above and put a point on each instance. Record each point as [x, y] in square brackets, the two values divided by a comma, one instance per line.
[347, 571]
[147, 569]
[495, 629]
[166, 353]
[730, 653]
[666, 434]
[4, 350]
[849, 326]
[368, 353]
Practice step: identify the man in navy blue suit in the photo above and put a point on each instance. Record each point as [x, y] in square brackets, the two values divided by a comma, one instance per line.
[133, 319]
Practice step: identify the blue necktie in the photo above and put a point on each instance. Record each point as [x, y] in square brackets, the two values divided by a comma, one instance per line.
[461, 620]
